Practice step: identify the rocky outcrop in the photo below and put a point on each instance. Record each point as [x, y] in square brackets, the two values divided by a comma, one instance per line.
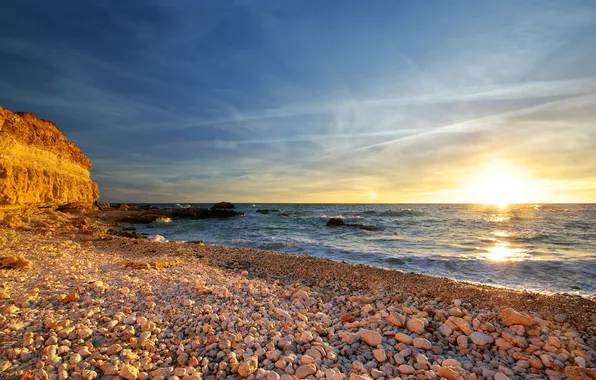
[337, 222]
[39, 167]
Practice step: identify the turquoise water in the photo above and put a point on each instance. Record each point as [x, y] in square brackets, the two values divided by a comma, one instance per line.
[538, 247]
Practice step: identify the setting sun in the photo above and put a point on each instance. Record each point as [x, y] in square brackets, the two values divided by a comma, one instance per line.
[500, 184]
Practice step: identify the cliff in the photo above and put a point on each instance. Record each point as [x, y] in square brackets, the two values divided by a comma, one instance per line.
[39, 167]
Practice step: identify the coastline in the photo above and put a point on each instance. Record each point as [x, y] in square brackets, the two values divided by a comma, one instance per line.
[281, 306]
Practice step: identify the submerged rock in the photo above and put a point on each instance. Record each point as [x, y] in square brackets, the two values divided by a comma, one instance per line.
[337, 222]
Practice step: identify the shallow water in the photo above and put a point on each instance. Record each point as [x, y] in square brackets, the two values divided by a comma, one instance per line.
[538, 247]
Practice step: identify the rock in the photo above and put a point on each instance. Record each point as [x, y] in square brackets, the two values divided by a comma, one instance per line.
[223, 206]
[372, 338]
[158, 239]
[561, 318]
[511, 317]
[335, 222]
[416, 325]
[396, 319]
[445, 329]
[576, 373]
[501, 376]
[462, 324]
[481, 339]
[248, 367]
[449, 373]
[128, 372]
[422, 343]
[13, 262]
[404, 338]
[71, 297]
[332, 374]
[451, 363]
[305, 370]
[406, 369]
[40, 167]
[380, 355]
[84, 332]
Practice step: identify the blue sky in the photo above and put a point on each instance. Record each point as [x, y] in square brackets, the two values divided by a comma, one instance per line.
[309, 101]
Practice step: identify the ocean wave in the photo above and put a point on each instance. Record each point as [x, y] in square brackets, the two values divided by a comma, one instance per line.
[344, 217]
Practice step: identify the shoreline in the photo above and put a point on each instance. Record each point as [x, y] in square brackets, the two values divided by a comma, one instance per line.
[82, 309]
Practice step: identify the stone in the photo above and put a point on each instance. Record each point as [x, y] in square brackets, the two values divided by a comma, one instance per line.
[248, 367]
[422, 343]
[272, 375]
[462, 324]
[406, 369]
[445, 329]
[404, 338]
[501, 376]
[451, 363]
[396, 319]
[380, 355]
[305, 370]
[511, 317]
[372, 338]
[128, 372]
[13, 262]
[481, 339]
[40, 167]
[561, 318]
[576, 373]
[416, 326]
[449, 373]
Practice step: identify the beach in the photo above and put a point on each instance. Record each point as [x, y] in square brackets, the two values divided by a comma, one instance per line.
[94, 305]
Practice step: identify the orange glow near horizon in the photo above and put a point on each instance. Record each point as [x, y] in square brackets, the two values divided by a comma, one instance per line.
[500, 184]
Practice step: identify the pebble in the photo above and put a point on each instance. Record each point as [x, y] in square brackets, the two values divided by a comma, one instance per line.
[406, 369]
[415, 325]
[372, 338]
[481, 339]
[423, 343]
[207, 321]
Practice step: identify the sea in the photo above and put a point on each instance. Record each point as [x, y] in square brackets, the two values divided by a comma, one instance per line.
[547, 248]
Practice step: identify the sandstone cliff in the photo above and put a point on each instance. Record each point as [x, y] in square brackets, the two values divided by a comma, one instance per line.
[39, 167]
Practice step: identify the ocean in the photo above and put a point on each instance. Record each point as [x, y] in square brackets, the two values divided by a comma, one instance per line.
[546, 248]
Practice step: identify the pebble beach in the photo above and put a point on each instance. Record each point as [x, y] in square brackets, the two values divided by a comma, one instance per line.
[87, 305]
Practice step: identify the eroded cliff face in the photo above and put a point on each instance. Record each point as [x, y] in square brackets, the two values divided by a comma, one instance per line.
[39, 167]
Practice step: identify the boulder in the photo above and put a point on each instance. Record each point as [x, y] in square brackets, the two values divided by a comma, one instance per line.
[223, 205]
[511, 317]
[40, 167]
[335, 222]
[14, 262]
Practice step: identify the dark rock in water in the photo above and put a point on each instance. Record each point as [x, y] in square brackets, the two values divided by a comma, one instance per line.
[199, 242]
[223, 205]
[335, 222]
[267, 211]
[143, 218]
[204, 213]
[284, 214]
[148, 207]
[129, 228]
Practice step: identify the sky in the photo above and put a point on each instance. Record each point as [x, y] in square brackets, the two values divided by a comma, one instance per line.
[312, 101]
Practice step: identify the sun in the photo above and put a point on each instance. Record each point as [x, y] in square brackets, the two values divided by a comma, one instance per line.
[500, 184]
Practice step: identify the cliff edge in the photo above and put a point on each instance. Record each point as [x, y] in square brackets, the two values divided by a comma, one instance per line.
[39, 167]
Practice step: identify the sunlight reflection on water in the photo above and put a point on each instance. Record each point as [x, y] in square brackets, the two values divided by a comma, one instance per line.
[502, 252]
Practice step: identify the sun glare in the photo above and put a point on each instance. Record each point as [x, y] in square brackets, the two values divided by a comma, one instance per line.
[500, 184]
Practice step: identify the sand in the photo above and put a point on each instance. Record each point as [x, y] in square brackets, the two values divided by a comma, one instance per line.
[89, 307]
